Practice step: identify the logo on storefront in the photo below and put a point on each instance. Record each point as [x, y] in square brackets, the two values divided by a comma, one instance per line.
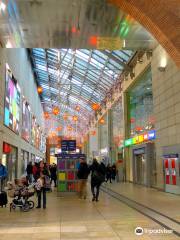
[139, 231]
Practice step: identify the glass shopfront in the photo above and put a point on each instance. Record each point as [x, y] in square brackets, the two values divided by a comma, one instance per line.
[140, 106]
[24, 161]
[9, 159]
[140, 131]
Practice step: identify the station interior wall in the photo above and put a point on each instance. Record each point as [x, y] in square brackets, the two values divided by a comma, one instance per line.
[166, 107]
[20, 66]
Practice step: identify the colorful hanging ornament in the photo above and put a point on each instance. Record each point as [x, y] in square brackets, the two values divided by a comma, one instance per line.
[69, 128]
[102, 121]
[39, 89]
[93, 133]
[46, 115]
[77, 108]
[56, 111]
[95, 106]
[75, 118]
[65, 116]
[59, 128]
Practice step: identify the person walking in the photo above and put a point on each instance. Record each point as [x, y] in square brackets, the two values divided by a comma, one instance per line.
[97, 178]
[3, 174]
[108, 173]
[53, 172]
[29, 171]
[82, 174]
[113, 170]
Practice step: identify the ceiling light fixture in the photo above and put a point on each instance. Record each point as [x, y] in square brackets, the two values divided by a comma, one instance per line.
[163, 63]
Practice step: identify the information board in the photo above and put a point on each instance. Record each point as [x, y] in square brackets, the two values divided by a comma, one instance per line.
[68, 145]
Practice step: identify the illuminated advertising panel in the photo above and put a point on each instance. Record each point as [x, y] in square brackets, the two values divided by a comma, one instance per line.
[33, 131]
[26, 121]
[12, 102]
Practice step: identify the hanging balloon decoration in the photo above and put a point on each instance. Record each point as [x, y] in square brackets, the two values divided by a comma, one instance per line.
[58, 129]
[77, 108]
[39, 89]
[93, 133]
[46, 115]
[65, 116]
[95, 106]
[69, 128]
[75, 118]
[102, 121]
[56, 111]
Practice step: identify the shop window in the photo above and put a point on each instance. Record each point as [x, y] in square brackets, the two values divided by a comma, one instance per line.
[140, 99]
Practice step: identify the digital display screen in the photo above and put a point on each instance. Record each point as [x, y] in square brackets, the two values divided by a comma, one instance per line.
[26, 121]
[12, 102]
[68, 145]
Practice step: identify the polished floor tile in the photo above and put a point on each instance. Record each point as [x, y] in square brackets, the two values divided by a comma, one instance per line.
[68, 218]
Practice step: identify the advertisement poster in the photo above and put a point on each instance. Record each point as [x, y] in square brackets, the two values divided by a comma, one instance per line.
[12, 102]
[26, 121]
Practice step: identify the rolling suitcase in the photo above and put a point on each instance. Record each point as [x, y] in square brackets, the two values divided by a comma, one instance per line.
[3, 195]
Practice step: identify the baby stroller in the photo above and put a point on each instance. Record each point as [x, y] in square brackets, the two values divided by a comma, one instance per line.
[20, 195]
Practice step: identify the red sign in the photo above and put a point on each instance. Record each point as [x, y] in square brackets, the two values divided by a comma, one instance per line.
[6, 148]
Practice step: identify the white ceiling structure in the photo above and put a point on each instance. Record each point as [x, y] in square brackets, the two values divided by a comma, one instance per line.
[78, 49]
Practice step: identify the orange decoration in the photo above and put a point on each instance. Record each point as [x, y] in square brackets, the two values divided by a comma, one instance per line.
[58, 128]
[46, 115]
[56, 110]
[69, 128]
[75, 118]
[102, 121]
[65, 117]
[77, 108]
[93, 133]
[40, 90]
[95, 106]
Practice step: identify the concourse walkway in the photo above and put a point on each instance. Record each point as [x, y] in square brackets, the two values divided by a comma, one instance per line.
[68, 217]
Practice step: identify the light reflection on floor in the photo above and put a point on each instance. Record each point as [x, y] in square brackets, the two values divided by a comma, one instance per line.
[69, 218]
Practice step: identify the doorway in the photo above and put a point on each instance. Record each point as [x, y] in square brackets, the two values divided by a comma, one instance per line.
[140, 168]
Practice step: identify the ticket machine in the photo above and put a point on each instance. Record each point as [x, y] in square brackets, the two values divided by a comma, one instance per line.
[171, 165]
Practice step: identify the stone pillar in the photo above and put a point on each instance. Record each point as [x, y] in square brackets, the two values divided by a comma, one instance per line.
[166, 100]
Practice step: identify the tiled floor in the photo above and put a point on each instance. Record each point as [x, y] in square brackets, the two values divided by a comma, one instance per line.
[70, 218]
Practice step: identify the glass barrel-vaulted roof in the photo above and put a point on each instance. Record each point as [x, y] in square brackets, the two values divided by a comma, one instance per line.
[76, 77]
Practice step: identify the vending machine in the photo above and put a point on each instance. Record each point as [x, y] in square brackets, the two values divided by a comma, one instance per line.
[171, 165]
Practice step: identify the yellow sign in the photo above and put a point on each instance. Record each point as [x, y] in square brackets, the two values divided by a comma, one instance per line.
[110, 43]
[62, 176]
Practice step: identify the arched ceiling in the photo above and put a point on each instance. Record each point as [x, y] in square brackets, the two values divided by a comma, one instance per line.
[70, 24]
[160, 17]
[71, 78]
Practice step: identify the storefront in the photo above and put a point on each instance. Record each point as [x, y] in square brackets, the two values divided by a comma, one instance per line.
[24, 161]
[9, 159]
[140, 132]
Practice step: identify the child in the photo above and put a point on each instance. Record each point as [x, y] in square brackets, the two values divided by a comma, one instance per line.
[40, 188]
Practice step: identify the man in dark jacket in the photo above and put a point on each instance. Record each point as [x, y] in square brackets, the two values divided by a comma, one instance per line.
[97, 178]
[82, 174]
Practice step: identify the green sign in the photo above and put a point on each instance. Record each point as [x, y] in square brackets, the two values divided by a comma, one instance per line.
[128, 142]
